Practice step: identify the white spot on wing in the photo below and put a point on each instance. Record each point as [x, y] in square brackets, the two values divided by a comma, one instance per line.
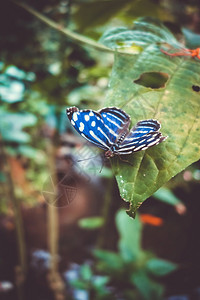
[93, 124]
[72, 122]
[91, 114]
[87, 118]
[81, 127]
[75, 117]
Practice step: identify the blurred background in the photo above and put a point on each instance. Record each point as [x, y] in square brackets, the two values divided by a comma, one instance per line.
[64, 233]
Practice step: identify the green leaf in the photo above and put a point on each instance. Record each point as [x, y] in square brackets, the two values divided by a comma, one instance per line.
[148, 288]
[91, 223]
[19, 74]
[29, 152]
[100, 281]
[11, 126]
[167, 196]
[130, 236]
[11, 91]
[86, 272]
[175, 105]
[12, 87]
[79, 284]
[109, 260]
[146, 31]
[160, 267]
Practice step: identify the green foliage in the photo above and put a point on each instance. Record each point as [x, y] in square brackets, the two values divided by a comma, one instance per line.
[149, 289]
[101, 13]
[146, 31]
[135, 85]
[131, 272]
[175, 105]
[109, 261]
[12, 83]
[165, 195]
[91, 223]
[138, 268]
[12, 124]
[130, 235]
[160, 267]
[47, 72]
[95, 286]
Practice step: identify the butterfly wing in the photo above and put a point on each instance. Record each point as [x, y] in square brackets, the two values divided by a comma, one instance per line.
[90, 125]
[142, 136]
[116, 122]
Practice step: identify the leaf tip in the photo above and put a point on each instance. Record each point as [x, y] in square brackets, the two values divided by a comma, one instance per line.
[131, 212]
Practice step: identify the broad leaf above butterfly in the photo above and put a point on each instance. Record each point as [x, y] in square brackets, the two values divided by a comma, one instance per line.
[108, 129]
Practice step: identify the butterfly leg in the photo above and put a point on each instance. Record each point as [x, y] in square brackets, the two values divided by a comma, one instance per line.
[125, 160]
[79, 160]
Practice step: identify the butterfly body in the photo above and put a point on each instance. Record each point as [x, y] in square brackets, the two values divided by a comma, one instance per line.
[108, 129]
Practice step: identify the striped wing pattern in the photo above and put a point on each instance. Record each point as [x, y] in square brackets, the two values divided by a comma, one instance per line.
[142, 136]
[108, 129]
[116, 121]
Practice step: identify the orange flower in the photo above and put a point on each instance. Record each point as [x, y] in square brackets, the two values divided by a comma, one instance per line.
[151, 220]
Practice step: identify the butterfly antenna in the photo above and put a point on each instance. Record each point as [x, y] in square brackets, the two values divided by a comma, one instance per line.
[103, 163]
[79, 160]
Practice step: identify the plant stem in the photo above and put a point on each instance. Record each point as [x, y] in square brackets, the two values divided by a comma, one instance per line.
[105, 215]
[52, 213]
[55, 281]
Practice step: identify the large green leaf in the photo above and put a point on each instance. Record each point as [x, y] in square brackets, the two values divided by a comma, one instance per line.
[175, 104]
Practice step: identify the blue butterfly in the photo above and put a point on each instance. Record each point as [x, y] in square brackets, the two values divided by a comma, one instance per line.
[108, 129]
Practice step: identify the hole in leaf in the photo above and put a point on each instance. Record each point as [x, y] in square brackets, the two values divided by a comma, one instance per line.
[196, 88]
[154, 80]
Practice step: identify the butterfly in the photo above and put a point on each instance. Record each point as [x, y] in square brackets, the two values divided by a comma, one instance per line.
[108, 129]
